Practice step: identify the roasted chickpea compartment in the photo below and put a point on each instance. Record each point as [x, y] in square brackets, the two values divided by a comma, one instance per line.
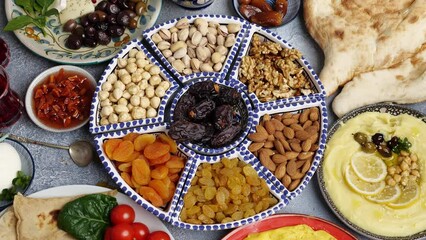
[150, 163]
[132, 91]
[225, 191]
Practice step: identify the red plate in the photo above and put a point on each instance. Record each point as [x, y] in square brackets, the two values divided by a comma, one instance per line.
[283, 220]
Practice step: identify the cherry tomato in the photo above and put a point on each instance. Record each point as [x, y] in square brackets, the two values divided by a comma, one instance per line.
[140, 230]
[122, 214]
[158, 235]
[107, 233]
[122, 231]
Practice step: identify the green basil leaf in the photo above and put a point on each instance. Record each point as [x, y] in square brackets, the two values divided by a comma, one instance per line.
[26, 5]
[87, 217]
[18, 23]
[52, 11]
[36, 6]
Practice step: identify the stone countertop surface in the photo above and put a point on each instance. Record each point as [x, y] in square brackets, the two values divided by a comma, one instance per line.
[55, 168]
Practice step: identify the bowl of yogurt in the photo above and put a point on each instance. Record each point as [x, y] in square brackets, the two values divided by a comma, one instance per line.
[15, 159]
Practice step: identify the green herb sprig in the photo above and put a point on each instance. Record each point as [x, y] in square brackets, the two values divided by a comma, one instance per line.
[20, 182]
[37, 13]
[403, 145]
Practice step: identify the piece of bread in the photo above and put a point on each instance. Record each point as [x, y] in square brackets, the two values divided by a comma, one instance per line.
[359, 36]
[8, 225]
[402, 83]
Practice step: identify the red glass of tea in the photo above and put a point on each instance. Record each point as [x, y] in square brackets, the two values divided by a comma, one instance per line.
[10, 104]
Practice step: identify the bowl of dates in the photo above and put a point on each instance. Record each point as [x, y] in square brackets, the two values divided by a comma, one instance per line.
[210, 116]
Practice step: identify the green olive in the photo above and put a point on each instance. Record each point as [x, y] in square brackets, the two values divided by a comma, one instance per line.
[368, 147]
[361, 138]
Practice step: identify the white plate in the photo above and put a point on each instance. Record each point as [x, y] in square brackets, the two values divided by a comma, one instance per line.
[52, 46]
[152, 222]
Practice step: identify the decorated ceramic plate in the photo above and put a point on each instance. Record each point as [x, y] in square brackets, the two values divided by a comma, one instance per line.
[372, 173]
[284, 220]
[153, 223]
[52, 45]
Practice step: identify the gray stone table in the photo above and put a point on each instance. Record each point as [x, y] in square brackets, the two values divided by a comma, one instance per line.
[55, 168]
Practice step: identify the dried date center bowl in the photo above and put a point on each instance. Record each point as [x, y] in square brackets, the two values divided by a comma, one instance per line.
[210, 115]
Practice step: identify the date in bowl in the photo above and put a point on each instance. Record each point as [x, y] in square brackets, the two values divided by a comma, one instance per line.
[210, 115]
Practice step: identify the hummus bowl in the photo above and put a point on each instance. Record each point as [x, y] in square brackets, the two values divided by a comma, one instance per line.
[376, 211]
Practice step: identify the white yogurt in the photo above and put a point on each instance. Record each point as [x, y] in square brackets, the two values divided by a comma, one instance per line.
[10, 164]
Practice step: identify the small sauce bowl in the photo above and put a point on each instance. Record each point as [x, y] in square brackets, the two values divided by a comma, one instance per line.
[77, 114]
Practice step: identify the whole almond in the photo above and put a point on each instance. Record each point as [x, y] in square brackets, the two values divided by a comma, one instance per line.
[271, 137]
[296, 127]
[311, 130]
[268, 144]
[257, 137]
[300, 163]
[266, 161]
[278, 125]
[255, 146]
[296, 116]
[266, 117]
[293, 185]
[261, 129]
[286, 180]
[316, 124]
[306, 167]
[297, 175]
[269, 127]
[314, 147]
[294, 140]
[291, 155]
[286, 144]
[279, 135]
[279, 146]
[289, 121]
[280, 171]
[305, 155]
[288, 132]
[291, 167]
[304, 116]
[302, 135]
[278, 117]
[314, 137]
[287, 115]
[296, 147]
[314, 115]
[267, 151]
[306, 145]
[279, 158]
[308, 123]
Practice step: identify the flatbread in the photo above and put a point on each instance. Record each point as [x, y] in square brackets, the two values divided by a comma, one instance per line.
[359, 36]
[404, 83]
[8, 225]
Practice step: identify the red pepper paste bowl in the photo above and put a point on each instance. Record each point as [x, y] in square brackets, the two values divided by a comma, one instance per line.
[59, 99]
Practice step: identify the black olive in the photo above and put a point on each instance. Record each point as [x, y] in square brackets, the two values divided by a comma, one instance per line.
[115, 30]
[112, 19]
[384, 151]
[79, 31]
[113, 1]
[93, 17]
[102, 26]
[130, 13]
[368, 147]
[84, 21]
[132, 5]
[90, 42]
[377, 138]
[70, 25]
[113, 9]
[90, 32]
[123, 18]
[74, 42]
[102, 15]
[360, 137]
[132, 24]
[103, 38]
[140, 8]
[123, 5]
[393, 142]
[102, 6]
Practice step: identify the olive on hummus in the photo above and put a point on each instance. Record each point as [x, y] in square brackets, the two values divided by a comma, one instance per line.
[372, 172]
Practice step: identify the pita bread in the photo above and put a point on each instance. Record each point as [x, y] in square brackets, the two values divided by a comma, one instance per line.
[359, 36]
[8, 225]
[408, 80]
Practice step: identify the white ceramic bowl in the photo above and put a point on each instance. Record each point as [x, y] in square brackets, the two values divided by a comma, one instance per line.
[40, 78]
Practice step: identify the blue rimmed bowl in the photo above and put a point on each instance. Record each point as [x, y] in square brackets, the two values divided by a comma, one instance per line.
[239, 153]
[94, 120]
[295, 108]
[203, 149]
[316, 86]
[163, 213]
[27, 166]
[221, 19]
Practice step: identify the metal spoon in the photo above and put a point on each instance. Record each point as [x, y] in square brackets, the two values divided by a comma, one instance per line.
[81, 152]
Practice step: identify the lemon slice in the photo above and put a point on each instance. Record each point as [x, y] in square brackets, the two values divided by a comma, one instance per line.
[360, 186]
[369, 167]
[388, 194]
[409, 195]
